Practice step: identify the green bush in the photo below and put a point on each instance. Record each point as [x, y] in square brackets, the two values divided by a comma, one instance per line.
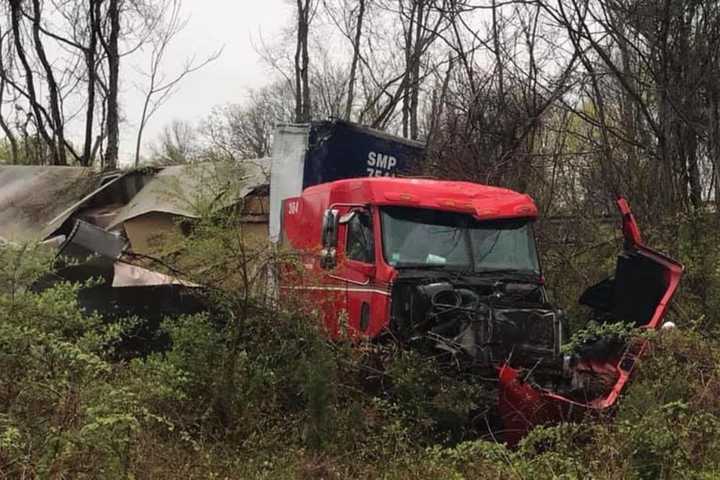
[252, 390]
[60, 409]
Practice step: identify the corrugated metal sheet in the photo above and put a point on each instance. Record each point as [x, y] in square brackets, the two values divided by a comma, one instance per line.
[86, 239]
[35, 200]
[183, 189]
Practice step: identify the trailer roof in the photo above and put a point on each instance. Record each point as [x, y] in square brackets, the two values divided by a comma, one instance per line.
[36, 200]
[180, 189]
[483, 201]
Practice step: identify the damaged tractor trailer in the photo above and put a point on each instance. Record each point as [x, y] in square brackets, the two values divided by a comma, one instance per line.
[452, 268]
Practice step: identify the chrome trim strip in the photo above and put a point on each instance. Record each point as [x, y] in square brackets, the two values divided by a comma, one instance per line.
[342, 289]
[366, 282]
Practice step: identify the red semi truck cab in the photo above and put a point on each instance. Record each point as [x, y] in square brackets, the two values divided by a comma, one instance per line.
[452, 267]
[360, 234]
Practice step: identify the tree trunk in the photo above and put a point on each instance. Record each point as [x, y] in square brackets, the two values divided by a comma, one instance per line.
[407, 79]
[307, 106]
[498, 55]
[355, 58]
[53, 93]
[93, 16]
[141, 129]
[298, 67]
[415, 71]
[3, 123]
[6, 128]
[302, 59]
[15, 18]
[113, 117]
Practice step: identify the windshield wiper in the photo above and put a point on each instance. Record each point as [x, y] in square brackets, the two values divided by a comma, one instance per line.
[506, 272]
[437, 266]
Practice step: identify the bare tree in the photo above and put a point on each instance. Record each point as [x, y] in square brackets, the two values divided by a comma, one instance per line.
[647, 65]
[53, 89]
[355, 58]
[303, 105]
[9, 134]
[422, 24]
[112, 52]
[178, 144]
[29, 89]
[63, 73]
[240, 132]
[161, 87]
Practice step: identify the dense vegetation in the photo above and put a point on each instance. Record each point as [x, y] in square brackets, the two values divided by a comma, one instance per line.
[573, 102]
[252, 390]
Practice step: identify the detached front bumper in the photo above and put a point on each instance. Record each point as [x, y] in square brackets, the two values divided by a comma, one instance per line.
[644, 284]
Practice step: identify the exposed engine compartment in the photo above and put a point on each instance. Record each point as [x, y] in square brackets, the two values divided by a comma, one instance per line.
[483, 324]
[480, 324]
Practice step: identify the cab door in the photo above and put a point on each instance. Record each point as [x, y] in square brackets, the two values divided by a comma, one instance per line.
[357, 270]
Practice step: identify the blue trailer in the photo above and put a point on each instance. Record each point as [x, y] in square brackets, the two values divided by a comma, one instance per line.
[324, 151]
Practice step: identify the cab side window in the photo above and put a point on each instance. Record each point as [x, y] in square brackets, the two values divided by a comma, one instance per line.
[360, 245]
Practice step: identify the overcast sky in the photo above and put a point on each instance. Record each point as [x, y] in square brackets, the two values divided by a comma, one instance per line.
[234, 24]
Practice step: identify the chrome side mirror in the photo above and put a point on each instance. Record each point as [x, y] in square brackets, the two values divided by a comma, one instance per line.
[329, 238]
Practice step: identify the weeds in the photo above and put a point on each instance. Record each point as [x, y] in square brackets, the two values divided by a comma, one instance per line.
[252, 390]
